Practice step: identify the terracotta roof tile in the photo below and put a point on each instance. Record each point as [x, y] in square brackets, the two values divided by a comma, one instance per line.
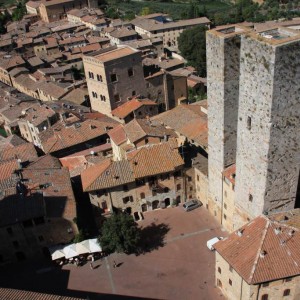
[107, 174]
[229, 173]
[128, 107]
[118, 135]
[187, 120]
[13, 294]
[265, 250]
[25, 152]
[154, 159]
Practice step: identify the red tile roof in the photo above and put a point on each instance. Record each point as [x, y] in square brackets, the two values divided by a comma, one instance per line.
[118, 135]
[125, 109]
[7, 168]
[229, 173]
[187, 120]
[13, 294]
[60, 137]
[25, 152]
[265, 250]
[154, 159]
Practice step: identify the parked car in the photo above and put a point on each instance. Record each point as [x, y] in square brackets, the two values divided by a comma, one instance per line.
[210, 243]
[192, 204]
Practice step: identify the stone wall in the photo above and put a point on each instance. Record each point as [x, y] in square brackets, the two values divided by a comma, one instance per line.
[223, 59]
[123, 88]
[268, 126]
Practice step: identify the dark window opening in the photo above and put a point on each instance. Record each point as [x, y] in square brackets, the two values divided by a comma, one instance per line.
[265, 297]
[286, 292]
[230, 282]
[130, 72]
[113, 78]
[27, 223]
[219, 270]
[249, 123]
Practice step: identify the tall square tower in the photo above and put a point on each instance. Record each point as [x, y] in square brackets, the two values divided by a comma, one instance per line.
[268, 144]
[113, 76]
[223, 75]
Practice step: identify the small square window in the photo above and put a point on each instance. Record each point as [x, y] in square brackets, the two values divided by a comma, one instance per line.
[219, 270]
[230, 282]
[225, 206]
[130, 72]
[117, 98]
[133, 93]
[225, 217]
[113, 78]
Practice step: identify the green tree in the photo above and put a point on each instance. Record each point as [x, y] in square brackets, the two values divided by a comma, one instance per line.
[119, 233]
[192, 45]
[145, 11]
[80, 236]
[19, 12]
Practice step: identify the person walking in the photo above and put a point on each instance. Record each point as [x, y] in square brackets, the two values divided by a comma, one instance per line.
[91, 266]
[114, 264]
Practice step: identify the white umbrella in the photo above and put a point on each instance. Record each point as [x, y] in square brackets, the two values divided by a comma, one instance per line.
[92, 245]
[57, 254]
[70, 251]
[81, 248]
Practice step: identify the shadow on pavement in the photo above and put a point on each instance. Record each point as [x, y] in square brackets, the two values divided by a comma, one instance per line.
[152, 237]
[44, 277]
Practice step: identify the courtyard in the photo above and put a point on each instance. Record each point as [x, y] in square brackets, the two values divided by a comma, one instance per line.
[177, 264]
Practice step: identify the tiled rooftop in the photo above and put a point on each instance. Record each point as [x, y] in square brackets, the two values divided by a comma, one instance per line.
[265, 249]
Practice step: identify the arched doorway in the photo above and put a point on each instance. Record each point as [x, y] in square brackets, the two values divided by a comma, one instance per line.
[155, 204]
[167, 202]
[144, 207]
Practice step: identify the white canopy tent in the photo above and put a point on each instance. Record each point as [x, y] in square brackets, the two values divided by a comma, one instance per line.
[72, 250]
[92, 245]
[57, 254]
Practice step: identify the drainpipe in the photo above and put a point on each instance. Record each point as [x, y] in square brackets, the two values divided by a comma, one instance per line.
[222, 199]
[258, 291]
[241, 297]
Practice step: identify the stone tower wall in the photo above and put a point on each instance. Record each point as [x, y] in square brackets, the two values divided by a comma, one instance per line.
[268, 126]
[223, 56]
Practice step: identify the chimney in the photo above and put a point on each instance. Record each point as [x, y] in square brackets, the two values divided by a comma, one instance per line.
[240, 232]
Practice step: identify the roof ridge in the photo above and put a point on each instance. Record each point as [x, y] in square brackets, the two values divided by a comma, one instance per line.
[259, 249]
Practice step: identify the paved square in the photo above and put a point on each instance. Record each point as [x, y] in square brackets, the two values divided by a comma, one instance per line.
[182, 269]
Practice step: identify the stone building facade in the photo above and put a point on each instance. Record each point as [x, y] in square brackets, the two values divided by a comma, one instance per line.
[113, 75]
[55, 10]
[268, 142]
[253, 120]
[223, 72]
[150, 178]
[265, 263]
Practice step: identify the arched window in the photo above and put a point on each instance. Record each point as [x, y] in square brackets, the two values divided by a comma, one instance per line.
[178, 187]
[265, 297]
[142, 195]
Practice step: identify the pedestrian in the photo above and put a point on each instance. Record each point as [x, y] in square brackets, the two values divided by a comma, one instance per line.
[91, 266]
[114, 264]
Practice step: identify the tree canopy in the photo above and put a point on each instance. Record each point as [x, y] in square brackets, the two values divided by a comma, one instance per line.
[192, 45]
[119, 233]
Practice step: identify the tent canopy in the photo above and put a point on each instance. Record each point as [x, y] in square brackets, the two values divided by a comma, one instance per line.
[72, 250]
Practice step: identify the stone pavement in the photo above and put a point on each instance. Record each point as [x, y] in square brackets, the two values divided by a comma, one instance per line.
[183, 268]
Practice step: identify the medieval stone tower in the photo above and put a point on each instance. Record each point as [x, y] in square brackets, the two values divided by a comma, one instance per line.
[223, 72]
[268, 143]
